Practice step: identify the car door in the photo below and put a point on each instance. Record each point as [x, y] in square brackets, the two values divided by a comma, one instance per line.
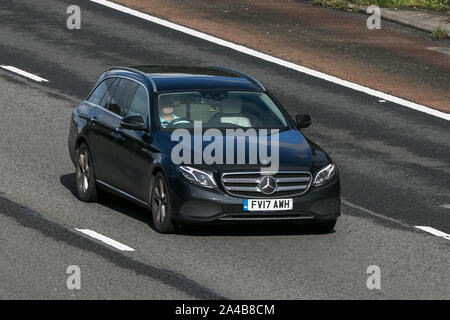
[101, 125]
[134, 151]
[117, 105]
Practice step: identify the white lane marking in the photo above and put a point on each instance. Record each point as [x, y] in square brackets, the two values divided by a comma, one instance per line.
[445, 206]
[434, 232]
[281, 62]
[105, 239]
[24, 73]
[373, 213]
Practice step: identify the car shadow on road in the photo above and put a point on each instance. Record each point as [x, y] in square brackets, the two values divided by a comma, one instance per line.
[110, 201]
[143, 215]
[68, 181]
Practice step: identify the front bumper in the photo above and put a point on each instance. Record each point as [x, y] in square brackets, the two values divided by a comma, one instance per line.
[192, 203]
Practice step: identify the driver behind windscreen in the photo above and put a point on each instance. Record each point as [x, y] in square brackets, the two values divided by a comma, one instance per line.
[166, 115]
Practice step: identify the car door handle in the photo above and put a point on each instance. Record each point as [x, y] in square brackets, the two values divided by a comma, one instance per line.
[94, 120]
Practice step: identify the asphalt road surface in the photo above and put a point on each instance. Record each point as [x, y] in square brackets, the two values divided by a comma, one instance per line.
[394, 165]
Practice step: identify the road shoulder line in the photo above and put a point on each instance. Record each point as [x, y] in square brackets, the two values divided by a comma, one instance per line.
[275, 60]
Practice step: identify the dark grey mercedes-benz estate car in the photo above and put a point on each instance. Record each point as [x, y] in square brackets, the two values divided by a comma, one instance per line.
[123, 136]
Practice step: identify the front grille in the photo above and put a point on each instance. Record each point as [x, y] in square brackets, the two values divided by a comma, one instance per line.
[246, 184]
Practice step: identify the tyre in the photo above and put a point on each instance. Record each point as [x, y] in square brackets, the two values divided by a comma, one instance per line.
[86, 186]
[322, 227]
[161, 205]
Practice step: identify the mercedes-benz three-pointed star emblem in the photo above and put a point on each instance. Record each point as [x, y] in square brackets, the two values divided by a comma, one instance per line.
[267, 185]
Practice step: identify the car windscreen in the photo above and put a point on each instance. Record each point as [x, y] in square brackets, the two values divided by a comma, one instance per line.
[219, 109]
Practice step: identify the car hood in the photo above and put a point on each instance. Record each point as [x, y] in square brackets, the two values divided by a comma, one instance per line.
[296, 152]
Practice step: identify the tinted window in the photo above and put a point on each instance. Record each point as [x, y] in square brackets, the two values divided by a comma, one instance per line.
[99, 92]
[139, 104]
[122, 96]
[107, 97]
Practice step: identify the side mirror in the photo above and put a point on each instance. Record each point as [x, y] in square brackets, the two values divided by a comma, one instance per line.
[133, 123]
[303, 120]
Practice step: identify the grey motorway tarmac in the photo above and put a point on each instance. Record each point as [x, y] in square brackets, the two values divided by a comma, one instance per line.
[393, 162]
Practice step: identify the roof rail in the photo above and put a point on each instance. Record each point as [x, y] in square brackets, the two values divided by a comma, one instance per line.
[131, 69]
[249, 78]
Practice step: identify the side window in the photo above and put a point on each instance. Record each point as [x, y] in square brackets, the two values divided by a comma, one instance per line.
[121, 96]
[139, 104]
[100, 91]
[107, 97]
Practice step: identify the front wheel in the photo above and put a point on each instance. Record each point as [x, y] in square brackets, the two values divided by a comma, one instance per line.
[160, 205]
[86, 187]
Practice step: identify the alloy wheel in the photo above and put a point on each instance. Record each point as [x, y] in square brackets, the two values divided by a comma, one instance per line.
[83, 172]
[160, 201]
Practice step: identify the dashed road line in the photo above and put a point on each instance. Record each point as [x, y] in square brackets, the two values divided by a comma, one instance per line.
[373, 213]
[104, 239]
[28, 218]
[24, 73]
[435, 232]
[431, 230]
[272, 59]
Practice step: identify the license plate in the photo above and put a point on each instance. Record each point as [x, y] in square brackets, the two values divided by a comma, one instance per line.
[268, 204]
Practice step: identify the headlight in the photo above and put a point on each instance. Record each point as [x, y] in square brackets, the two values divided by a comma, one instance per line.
[324, 175]
[199, 177]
